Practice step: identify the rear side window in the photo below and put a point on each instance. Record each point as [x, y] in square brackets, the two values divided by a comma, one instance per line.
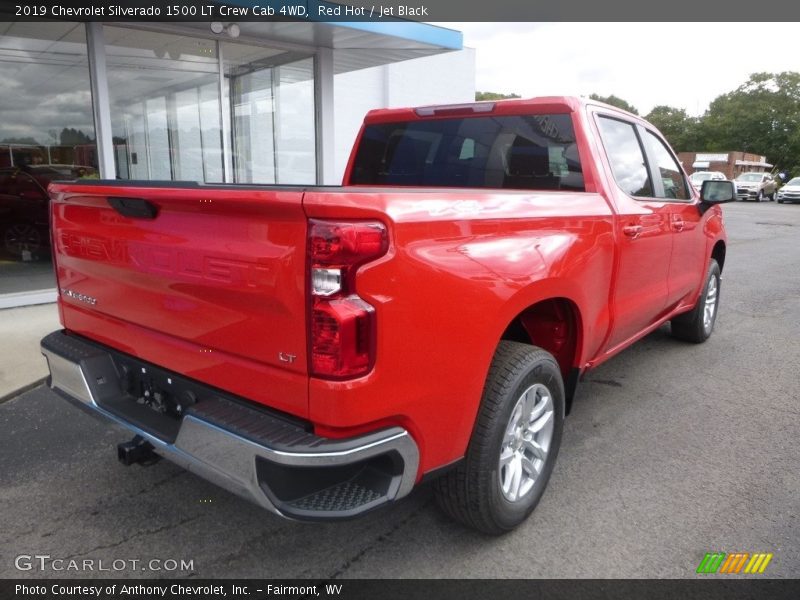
[531, 152]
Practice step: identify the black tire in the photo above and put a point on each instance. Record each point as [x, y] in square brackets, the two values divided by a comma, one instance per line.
[693, 325]
[772, 197]
[472, 493]
[760, 196]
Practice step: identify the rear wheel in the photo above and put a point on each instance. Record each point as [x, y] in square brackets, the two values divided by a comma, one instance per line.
[696, 325]
[514, 443]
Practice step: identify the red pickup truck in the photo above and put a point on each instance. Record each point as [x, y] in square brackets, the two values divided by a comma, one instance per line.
[322, 350]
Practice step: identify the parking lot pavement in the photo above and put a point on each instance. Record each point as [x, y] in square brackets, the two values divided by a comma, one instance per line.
[672, 451]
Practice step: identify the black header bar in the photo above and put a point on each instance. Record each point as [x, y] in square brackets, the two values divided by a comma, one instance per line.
[378, 11]
[715, 588]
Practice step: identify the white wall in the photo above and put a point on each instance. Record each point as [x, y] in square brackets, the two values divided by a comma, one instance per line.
[440, 79]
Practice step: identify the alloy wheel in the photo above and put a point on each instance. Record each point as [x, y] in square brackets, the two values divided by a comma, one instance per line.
[526, 442]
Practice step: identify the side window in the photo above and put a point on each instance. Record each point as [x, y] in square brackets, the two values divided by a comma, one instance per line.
[674, 183]
[467, 149]
[626, 156]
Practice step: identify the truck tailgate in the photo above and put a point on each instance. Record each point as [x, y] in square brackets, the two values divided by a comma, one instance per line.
[217, 273]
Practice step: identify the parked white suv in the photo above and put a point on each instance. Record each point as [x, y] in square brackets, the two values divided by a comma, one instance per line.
[755, 186]
[698, 177]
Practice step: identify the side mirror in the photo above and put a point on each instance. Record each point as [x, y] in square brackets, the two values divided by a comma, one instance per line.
[717, 192]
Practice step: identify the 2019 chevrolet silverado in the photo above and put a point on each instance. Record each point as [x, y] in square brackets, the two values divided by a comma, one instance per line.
[322, 350]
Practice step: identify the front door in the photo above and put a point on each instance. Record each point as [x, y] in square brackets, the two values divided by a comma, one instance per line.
[644, 234]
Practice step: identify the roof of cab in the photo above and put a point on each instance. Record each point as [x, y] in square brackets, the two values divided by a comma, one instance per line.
[514, 106]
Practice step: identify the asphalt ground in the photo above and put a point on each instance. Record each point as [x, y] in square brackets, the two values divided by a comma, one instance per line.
[672, 450]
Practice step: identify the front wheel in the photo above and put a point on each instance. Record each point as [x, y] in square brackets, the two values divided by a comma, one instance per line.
[514, 442]
[697, 324]
[760, 196]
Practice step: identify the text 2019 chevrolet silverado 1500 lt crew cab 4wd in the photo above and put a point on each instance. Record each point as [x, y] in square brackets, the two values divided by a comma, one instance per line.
[321, 350]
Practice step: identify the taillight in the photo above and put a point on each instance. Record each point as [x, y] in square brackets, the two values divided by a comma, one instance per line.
[341, 325]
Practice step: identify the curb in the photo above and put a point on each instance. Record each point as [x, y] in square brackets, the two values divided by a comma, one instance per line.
[22, 390]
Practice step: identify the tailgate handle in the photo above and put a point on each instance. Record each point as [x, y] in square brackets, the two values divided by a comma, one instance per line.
[136, 208]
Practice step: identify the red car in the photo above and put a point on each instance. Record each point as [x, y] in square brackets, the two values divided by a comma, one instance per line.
[24, 207]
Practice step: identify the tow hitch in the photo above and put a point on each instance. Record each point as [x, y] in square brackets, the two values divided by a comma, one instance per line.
[137, 451]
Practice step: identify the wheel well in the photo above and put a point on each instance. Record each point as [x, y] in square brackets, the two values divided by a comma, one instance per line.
[553, 325]
[718, 253]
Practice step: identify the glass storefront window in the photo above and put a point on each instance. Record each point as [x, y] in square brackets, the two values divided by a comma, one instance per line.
[46, 133]
[167, 111]
[273, 125]
[165, 105]
[179, 111]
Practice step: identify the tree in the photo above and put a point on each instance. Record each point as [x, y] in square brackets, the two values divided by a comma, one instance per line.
[684, 133]
[494, 96]
[761, 116]
[615, 101]
[74, 137]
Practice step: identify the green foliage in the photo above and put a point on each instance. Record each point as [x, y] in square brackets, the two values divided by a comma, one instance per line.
[684, 133]
[479, 96]
[761, 116]
[615, 101]
[74, 137]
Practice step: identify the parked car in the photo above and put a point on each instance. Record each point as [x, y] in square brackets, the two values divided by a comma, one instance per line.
[699, 177]
[321, 350]
[24, 207]
[790, 192]
[755, 186]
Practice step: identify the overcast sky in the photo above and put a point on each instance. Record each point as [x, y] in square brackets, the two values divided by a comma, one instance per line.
[685, 65]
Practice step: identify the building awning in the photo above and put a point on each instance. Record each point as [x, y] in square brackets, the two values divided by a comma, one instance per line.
[700, 164]
[356, 45]
[753, 163]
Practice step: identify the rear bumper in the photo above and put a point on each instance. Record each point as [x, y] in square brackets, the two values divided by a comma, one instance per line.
[268, 458]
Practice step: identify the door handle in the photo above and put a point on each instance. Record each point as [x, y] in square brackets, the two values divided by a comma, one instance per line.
[678, 224]
[632, 231]
[135, 208]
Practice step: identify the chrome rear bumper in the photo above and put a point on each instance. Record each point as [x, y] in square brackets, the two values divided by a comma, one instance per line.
[261, 456]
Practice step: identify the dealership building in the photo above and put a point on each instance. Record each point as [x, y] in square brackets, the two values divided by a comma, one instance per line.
[249, 102]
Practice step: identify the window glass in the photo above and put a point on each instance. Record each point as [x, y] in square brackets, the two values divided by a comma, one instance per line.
[749, 177]
[671, 176]
[165, 105]
[273, 126]
[626, 156]
[169, 114]
[46, 133]
[514, 152]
